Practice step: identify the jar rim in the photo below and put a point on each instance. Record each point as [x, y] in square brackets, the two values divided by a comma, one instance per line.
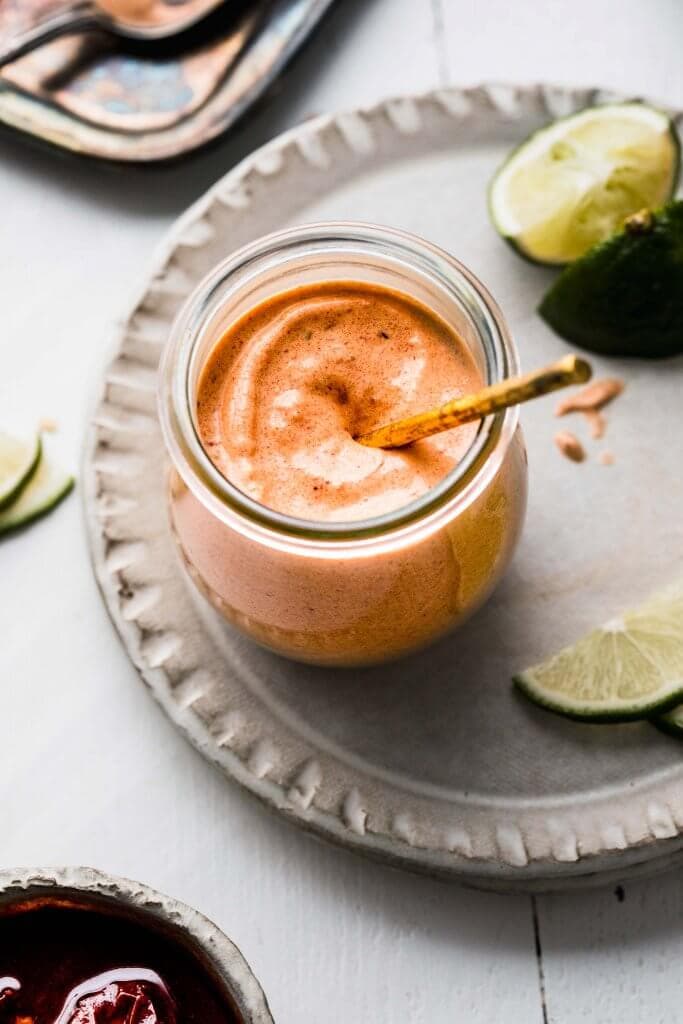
[225, 499]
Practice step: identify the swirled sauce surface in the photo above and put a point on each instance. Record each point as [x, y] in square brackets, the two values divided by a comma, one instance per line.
[65, 960]
[290, 385]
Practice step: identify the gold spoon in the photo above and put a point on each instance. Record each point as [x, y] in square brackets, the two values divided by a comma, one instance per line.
[513, 391]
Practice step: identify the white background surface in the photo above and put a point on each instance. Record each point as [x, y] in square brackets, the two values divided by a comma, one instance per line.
[92, 772]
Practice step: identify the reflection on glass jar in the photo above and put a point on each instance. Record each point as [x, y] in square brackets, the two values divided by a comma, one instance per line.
[366, 590]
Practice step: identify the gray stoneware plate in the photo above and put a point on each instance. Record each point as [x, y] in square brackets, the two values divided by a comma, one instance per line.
[220, 954]
[434, 763]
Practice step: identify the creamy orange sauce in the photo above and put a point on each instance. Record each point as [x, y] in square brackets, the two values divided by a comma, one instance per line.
[291, 384]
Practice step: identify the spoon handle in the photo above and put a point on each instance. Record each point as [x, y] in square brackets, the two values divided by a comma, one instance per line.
[23, 29]
[512, 391]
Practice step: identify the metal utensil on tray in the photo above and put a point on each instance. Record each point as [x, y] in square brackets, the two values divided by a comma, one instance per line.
[24, 26]
[147, 103]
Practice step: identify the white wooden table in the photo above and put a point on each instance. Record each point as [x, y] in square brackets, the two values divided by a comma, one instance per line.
[91, 771]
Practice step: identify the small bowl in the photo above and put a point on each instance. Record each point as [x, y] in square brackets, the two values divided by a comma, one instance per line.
[220, 956]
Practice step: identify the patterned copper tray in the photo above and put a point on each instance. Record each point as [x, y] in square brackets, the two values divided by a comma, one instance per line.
[94, 96]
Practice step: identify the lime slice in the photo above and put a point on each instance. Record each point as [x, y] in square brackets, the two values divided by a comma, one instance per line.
[18, 461]
[629, 668]
[44, 490]
[573, 183]
[625, 296]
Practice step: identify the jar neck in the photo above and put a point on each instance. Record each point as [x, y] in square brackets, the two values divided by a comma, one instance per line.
[313, 253]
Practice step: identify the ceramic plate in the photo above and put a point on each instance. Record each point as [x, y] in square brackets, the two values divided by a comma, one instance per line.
[434, 763]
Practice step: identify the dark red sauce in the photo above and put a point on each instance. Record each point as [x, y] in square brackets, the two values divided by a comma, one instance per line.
[69, 961]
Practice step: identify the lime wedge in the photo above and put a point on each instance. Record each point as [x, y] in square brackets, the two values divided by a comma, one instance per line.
[46, 488]
[625, 296]
[627, 669]
[573, 183]
[18, 461]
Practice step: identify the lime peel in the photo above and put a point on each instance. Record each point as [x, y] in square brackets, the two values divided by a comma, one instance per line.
[47, 486]
[625, 296]
[671, 721]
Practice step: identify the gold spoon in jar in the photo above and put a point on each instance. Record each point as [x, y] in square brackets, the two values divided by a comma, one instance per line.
[513, 391]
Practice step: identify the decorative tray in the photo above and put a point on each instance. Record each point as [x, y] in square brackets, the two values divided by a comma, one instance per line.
[100, 98]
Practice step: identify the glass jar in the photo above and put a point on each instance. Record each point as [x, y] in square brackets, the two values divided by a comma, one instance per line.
[357, 592]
